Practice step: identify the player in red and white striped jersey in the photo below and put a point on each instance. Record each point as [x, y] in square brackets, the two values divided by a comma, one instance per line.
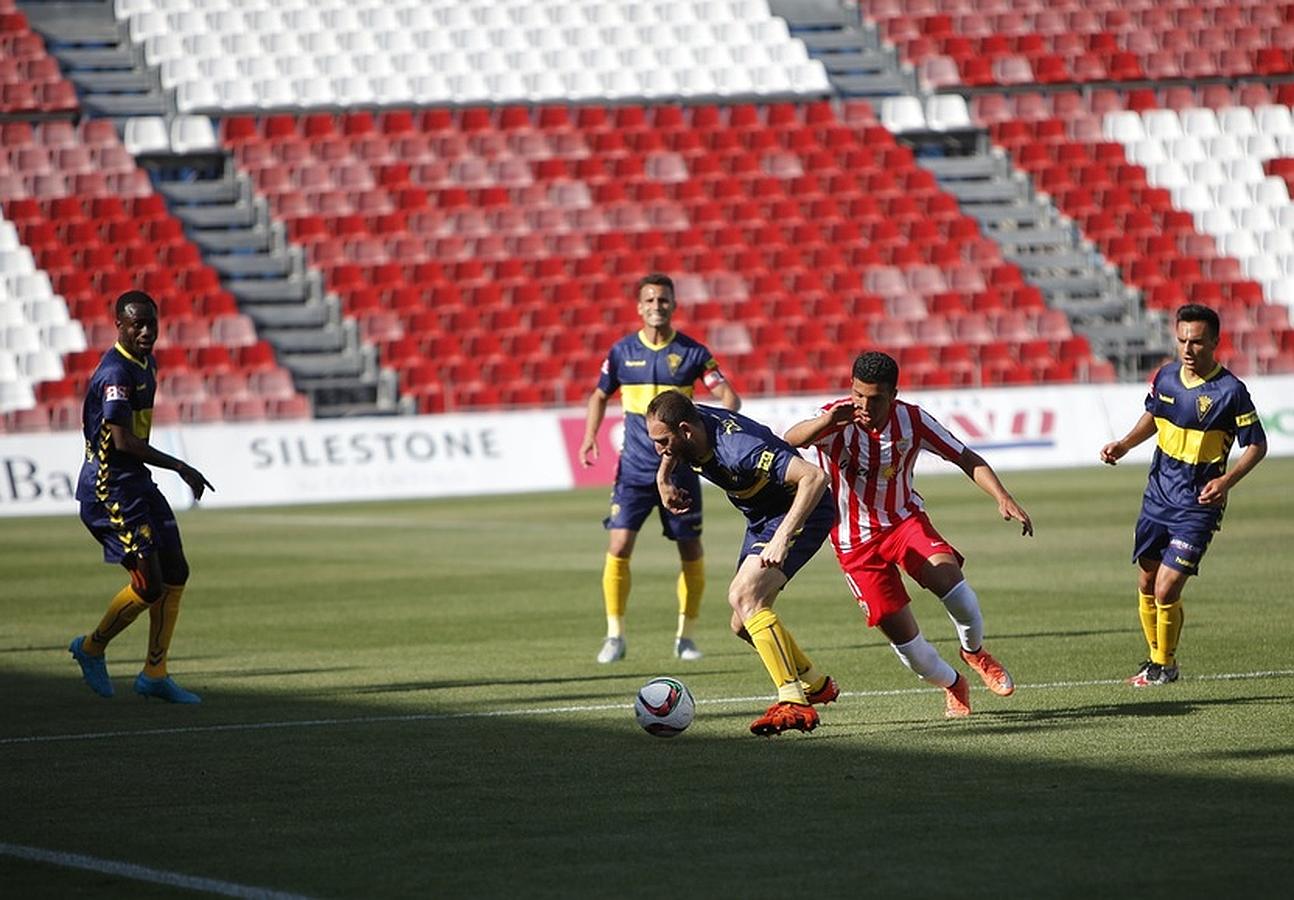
[868, 444]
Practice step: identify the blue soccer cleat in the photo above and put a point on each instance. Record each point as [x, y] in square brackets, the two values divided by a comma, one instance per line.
[94, 669]
[165, 689]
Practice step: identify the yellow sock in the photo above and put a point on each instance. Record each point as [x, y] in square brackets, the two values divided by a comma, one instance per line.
[772, 643]
[124, 609]
[161, 626]
[810, 678]
[1149, 615]
[691, 585]
[615, 593]
[1169, 627]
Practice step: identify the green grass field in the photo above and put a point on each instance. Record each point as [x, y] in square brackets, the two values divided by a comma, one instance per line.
[401, 700]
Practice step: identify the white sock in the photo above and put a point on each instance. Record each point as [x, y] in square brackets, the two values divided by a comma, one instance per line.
[920, 657]
[963, 609]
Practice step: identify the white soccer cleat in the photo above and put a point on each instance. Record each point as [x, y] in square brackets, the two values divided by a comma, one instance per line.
[686, 649]
[613, 650]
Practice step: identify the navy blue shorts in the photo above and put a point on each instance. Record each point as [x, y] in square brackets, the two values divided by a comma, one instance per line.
[132, 525]
[631, 504]
[1179, 547]
[803, 545]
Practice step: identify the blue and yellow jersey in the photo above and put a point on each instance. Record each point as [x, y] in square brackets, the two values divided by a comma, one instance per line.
[121, 391]
[1197, 421]
[640, 371]
[749, 462]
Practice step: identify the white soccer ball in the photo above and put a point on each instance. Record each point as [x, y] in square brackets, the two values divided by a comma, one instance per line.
[664, 707]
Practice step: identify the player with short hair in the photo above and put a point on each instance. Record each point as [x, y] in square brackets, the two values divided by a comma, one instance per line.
[788, 511]
[868, 444]
[123, 508]
[1197, 409]
[641, 365]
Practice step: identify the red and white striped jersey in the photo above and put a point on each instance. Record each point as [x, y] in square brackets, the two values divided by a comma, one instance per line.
[871, 472]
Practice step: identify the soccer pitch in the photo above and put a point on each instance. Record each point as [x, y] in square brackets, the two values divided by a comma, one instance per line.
[401, 700]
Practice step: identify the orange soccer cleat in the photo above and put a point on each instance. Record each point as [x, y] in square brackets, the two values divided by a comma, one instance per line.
[958, 701]
[783, 716]
[825, 694]
[996, 678]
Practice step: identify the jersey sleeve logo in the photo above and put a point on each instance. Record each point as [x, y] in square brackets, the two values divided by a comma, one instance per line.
[765, 463]
[1203, 403]
[116, 392]
[729, 426]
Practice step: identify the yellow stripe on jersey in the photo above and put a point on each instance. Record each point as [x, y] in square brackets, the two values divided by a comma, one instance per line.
[635, 397]
[1191, 445]
[751, 491]
[142, 423]
[1248, 418]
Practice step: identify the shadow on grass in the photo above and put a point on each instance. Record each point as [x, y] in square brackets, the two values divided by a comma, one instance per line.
[343, 799]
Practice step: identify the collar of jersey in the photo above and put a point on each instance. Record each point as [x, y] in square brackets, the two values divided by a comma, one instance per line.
[126, 353]
[1191, 382]
[650, 346]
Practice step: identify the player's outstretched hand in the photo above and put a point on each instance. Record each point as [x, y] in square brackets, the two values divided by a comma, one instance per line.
[196, 481]
[1112, 452]
[1012, 510]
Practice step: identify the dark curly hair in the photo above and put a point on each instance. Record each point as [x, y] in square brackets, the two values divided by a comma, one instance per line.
[875, 367]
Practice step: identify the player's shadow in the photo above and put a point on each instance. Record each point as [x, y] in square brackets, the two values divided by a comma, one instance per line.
[1008, 721]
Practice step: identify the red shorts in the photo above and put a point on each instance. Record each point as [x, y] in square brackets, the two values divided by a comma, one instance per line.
[872, 570]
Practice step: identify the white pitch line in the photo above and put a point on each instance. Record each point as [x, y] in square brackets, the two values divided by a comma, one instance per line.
[144, 873]
[557, 710]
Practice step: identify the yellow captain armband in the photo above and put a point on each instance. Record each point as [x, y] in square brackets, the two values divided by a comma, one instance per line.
[1248, 418]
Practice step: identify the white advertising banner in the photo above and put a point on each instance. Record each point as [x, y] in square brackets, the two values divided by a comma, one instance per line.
[378, 458]
[1048, 427]
[482, 453]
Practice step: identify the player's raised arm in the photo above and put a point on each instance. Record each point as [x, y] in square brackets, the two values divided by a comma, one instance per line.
[1114, 451]
[980, 472]
[809, 431]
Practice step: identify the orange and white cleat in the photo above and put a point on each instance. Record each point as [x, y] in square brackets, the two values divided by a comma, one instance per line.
[825, 694]
[783, 716]
[995, 676]
[958, 700]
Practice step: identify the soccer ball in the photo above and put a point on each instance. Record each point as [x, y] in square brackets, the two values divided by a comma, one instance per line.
[664, 707]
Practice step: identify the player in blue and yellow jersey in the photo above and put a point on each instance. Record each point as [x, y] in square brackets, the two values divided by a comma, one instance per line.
[789, 512]
[123, 508]
[641, 365]
[1198, 410]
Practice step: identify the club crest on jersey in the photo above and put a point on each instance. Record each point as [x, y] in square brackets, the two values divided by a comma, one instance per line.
[674, 360]
[1203, 403]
